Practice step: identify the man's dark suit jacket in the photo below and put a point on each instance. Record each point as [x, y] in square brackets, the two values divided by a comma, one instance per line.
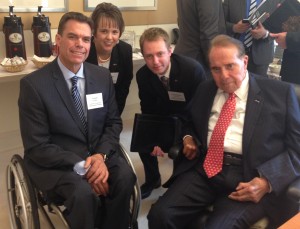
[185, 75]
[52, 133]
[120, 61]
[262, 50]
[271, 137]
[290, 67]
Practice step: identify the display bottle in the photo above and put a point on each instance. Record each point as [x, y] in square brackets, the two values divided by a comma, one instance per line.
[14, 36]
[41, 34]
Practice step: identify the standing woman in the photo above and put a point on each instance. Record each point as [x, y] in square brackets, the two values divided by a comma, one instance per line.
[110, 52]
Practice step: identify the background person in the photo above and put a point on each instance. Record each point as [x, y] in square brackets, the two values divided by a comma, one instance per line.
[183, 74]
[261, 51]
[290, 42]
[199, 22]
[257, 161]
[61, 125]
[109, 51]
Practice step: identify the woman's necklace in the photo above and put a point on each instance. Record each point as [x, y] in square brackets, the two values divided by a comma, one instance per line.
[103, 61]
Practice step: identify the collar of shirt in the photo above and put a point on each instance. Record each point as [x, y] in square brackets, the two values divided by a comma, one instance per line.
[167, 73]
[67, 73]
[81, 82]
[242, 91]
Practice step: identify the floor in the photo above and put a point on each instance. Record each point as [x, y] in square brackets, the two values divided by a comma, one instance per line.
[132, 107]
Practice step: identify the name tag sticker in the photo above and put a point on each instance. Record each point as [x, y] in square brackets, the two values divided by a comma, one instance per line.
[176, 96]
[114, 76]
[94, 101]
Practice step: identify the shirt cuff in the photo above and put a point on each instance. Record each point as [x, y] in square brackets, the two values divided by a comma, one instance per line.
[266, 35]
[186, 136]
[262, 176]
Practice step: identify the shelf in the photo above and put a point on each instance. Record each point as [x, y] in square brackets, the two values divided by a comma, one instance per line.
[10, 77]
[30, 67]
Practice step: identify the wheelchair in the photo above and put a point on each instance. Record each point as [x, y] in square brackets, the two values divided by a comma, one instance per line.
[28, 205]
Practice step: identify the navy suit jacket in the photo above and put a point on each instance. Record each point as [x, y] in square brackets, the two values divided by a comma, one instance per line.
[52, 133]
[271, 136]
[121, 62]
[185, 75]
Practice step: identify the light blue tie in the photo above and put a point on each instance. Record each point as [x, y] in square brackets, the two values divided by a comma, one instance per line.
[77, 102]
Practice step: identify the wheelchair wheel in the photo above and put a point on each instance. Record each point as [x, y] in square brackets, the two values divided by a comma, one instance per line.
[21, 196]
[136, 195]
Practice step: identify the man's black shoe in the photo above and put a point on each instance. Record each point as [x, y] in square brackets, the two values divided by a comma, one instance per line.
[146, 189]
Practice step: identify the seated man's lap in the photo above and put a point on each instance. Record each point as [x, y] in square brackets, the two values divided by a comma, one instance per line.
[121, 175]
[190, 194]
[184, 200]
[229, 213]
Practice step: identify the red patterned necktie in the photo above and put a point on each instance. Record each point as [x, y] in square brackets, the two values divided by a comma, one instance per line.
[214, 158]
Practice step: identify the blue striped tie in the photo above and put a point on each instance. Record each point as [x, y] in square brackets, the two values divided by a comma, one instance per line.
[248, 36]
[77, 102]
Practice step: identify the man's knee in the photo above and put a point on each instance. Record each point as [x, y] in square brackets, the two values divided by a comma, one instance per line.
[123, 178]
[158, 216]
[81, 195]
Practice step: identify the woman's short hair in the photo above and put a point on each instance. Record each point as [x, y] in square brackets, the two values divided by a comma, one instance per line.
[110, 12]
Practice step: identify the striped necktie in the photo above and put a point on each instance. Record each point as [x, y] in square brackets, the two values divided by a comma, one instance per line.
[214, 158]
[165, 82]
[77, 102]
[248, 36]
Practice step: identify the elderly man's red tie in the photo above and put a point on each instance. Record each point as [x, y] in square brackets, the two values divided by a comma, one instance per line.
[214, 159]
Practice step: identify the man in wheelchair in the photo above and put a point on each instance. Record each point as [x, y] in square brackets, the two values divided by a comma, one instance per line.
[70, 128]
[241, 149]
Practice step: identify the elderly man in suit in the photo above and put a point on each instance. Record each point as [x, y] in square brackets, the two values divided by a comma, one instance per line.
[241, 148]
[183, 75]
[259, 48]
[199, 22]
[66, 119]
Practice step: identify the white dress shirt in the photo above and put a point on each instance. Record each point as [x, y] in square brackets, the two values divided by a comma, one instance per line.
[234, 133]
[80, 83]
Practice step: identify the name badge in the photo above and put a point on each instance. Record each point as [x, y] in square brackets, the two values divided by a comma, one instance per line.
[114, 76]
[176, 96]
[94, 101]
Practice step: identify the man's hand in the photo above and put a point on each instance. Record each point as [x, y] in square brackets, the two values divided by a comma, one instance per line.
[98, 172]
[100, 188]
[240, 27]
[259, 32]
[189, 148]
[251, 191]
[280, 38]
[157, 152]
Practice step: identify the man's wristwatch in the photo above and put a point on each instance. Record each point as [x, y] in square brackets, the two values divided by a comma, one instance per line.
[104, 156]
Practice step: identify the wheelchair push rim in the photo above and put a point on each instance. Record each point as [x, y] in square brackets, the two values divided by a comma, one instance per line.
[21, 196]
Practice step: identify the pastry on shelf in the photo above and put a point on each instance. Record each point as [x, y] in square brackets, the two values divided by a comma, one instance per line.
[15, 64]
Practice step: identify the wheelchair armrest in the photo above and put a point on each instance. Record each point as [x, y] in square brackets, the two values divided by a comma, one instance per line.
[293, 190]
[174, 151]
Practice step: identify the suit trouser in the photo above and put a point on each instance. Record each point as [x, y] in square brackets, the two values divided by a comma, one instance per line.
[150, 167]
[83, 207]
[191, 193]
